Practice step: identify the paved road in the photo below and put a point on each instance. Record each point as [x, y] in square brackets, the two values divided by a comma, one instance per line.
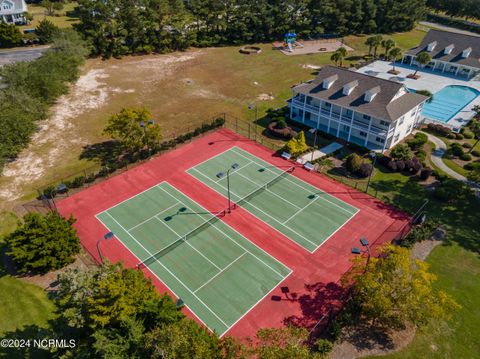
[27, 54]
[437, 155]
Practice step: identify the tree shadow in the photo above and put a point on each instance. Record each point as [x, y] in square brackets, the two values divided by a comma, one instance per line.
[103, 152]
[28, 336]
[320, 301]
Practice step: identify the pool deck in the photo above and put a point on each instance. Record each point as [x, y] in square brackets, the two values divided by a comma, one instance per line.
[431, 81]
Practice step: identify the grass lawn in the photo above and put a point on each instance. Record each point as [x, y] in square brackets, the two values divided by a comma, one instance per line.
[181, 90]
[63, 19]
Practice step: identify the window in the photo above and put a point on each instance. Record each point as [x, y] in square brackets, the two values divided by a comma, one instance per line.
[366, 117]
[414, 112]
[307, 115]
[363, 134]
[409, 128]
[348, 113]
[401, 120]
[380, 140]
[346, 128]
[328, 105]
[397, 136]
[384, 123]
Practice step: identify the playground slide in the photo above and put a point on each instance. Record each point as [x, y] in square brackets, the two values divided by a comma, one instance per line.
[298, 44]
[290, 47]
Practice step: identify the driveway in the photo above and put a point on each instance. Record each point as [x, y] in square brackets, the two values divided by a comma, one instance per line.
[11, 56]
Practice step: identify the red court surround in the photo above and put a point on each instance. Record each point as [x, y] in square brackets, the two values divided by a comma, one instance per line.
[313, 286]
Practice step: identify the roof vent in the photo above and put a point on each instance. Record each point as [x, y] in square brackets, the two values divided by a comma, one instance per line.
[431, 46]
[370, 94]
[328, 82]
[466, 53]
[449, 49]
[348, 88]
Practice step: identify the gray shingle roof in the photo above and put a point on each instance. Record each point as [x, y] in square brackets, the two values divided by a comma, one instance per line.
[459, 41]
[19, 6]
[382, 106]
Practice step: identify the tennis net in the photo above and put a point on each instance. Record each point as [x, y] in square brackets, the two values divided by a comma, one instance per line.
[168, 248]
[265, 186]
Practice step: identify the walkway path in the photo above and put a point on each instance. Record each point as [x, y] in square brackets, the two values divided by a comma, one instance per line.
[437, 154]
[447, 28]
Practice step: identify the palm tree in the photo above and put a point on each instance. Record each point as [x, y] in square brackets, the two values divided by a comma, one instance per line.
[336, 57]
[422, 58]
[475, 128]
[339, 55]
[370, 42]
[387, 45]
[377, 40]
[394, 54]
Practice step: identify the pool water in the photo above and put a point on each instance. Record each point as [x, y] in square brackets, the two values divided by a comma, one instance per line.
[447, 102]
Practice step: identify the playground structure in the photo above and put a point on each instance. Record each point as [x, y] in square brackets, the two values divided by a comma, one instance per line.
[327, 43]
[291, 41]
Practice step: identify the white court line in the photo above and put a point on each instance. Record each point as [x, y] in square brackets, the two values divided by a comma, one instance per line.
[129, 198]
[267, 190]
[296, 184]
[251, 204]
[210, 158]
[155, 215]
[173, 275]
[234, 241]
[156, 276]
[235, 171]
[301, 209]
[282, 277]
[223, 270]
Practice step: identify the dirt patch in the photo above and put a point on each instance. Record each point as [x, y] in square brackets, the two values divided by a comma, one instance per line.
[265, 97]
[367, 340]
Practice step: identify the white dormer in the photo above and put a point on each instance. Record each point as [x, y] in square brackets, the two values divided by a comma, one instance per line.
[466, 53]
[431, 46]
[370, 94]
[348, 88]
[328, 82]
[449, 49]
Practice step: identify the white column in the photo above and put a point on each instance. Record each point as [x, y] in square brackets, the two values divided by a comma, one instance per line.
[368, 131]
[319, 112]
[330, 117]
[304, 105]
[456, 72]
[339, 121]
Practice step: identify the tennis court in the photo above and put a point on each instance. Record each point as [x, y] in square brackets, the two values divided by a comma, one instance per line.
[219, 274]
[302, 212]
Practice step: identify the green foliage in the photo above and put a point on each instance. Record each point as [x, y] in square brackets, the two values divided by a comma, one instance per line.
[10, 35]
[30, 87]
[474, 174]
[353, 163]
[417, 141]
[46, 31]
[109, 309]
[401, 152]
[422, 59]
[323, 346]
[452, 190]
[425, 93]
[43, 243]
[456, 149]
[476, 153]
[297, 145]
[283, 343]
[393, 55]
[420, 233]
[282, 123]
[393, 289]
[115, 28]
[126, 128]
[466, 157]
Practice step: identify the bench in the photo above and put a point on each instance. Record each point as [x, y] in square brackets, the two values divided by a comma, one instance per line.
[309, 166]
[286, 155]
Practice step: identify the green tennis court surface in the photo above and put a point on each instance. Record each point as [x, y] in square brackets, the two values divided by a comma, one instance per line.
[302, 212]
[218, 273]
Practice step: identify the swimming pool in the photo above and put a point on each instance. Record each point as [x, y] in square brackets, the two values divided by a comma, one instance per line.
[447, 102]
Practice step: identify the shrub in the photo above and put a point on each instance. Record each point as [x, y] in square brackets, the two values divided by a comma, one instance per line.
[459, 136]
[281, 124]
[467, 145]
[456, 149]
[418, 141]
[467, 134]
[323, 346]
[296, 145]
[466, 157]
[400, 165]
[383, 160]
[365, 170]
[476, 153]
[425, 173]
[401, 152]
[421, 155]
[451, 190]
[409, 164]
[392, 165]
[438, 129]
[420, 233]
[451, 136]
[417, 166]
[353, 163]
[43, 243]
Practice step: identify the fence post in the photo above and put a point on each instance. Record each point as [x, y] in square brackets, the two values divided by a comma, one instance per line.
[248, 130]
[236, 125]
